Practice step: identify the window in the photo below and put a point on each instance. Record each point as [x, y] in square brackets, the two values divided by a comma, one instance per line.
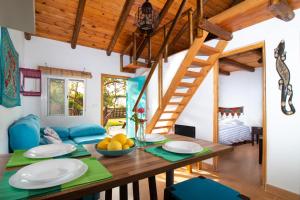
[66, 97]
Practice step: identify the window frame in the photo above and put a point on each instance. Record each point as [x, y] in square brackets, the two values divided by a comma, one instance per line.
[66, 96]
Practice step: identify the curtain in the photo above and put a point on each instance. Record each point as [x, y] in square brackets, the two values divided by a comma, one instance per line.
[134, 87]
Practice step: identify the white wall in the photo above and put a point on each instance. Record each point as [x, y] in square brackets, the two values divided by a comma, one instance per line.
[9, 115]
[41, 51]
[283, 132]
[245, 89]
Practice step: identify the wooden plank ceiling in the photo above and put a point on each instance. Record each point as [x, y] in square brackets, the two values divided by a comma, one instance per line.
[55, 19]
[246, 61]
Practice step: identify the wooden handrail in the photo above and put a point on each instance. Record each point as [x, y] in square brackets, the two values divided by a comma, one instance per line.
[160, 53]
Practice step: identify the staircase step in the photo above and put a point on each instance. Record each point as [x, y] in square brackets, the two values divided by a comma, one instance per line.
[181, 94]
[167, 120]
[159, 127]
[175, 103]
[193, 74]
[173, 111]
[185, 84]
[208, 50]
[200, 62]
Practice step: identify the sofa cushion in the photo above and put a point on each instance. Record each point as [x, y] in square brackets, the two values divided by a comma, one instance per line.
[93, 139]
[24, 133]
[86, 130]
[61, 131]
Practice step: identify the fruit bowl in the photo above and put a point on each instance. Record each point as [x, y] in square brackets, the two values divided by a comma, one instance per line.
[116, 153]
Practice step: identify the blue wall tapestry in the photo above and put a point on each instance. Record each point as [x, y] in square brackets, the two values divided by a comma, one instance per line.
[134, 87]
[9, 72]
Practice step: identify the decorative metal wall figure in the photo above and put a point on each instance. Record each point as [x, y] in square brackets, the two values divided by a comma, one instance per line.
[284, 81]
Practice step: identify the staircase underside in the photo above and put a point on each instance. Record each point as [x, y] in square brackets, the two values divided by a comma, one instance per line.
[193, 69]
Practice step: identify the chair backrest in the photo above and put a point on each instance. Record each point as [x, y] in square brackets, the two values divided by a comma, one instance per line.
[257, 130]
[189, 131]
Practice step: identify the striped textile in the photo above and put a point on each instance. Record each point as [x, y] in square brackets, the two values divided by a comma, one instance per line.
[234, 133]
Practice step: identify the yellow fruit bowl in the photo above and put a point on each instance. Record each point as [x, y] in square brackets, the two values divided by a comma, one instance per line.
[116, 146]
[115, 153]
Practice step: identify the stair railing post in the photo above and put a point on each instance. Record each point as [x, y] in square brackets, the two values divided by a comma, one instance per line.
[190, 18]
[149, 49]
[166, 48]
[134, 48]
[199, 15]
[160, 83]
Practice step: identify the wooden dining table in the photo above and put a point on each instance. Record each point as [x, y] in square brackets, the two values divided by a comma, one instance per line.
[131, 168]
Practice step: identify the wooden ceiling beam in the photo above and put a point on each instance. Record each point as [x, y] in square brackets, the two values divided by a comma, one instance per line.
[223, 72]
[282, 10]
[215, 29]
[121, 22]
[237, 64]
[161, 15]
[78, 21]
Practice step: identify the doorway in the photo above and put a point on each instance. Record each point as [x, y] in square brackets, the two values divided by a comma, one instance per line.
[231, 57]
[113, 103]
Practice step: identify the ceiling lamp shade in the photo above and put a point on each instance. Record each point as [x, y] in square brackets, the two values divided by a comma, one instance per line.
[145, 18]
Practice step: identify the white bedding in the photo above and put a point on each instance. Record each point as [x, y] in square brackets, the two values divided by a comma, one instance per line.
[233, 132]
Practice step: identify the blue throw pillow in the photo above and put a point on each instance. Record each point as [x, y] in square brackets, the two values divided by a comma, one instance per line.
[62, 132]
[86, 130]
[24, 133]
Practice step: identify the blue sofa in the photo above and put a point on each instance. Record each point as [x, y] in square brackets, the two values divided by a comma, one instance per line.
[26, 133]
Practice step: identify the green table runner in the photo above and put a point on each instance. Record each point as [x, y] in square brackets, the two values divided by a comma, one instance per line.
[96, 172]
[17, 159]
[174, 157]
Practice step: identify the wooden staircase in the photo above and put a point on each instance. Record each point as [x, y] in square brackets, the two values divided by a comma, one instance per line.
[185, 83]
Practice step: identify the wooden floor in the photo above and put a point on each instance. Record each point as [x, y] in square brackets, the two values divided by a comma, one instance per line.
[239, 170]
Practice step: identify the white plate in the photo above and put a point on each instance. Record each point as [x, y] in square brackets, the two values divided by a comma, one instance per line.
[48, 173]
[154, 137]
[183, 147]
[49, 150]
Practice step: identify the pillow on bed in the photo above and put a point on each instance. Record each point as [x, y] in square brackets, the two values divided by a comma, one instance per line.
[230, 121]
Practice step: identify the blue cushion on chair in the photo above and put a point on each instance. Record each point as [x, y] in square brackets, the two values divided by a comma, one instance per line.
[202, 188]
[93, 139]
[86, 130]
[62, 132]
[24, 133]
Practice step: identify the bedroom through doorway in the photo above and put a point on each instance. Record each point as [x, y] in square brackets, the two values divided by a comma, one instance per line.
[240, 113]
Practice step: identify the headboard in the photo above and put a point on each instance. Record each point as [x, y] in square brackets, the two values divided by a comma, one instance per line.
[231, 111]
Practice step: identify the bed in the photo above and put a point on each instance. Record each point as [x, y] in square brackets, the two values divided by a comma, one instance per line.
[232, 128]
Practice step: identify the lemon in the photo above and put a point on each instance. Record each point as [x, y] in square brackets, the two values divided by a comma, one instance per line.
[130, 142]
[125, 146]
[103, 144]
[114, 146]
[108, 139]
[120, 138]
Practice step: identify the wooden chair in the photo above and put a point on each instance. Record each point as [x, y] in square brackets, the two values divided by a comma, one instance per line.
[201, 188]
[256, 131]
[189, 131]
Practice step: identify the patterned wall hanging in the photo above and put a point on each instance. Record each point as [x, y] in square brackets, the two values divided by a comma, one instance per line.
[231, 111]
[284, 81]
[9, 72]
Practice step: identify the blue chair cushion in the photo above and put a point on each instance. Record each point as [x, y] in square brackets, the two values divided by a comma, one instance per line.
[69, 142]
[86, 130]
[24, 133]
[202, 188]
[62, 132]
[93, 139]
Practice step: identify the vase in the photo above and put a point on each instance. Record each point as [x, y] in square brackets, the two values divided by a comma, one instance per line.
[140, 135]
